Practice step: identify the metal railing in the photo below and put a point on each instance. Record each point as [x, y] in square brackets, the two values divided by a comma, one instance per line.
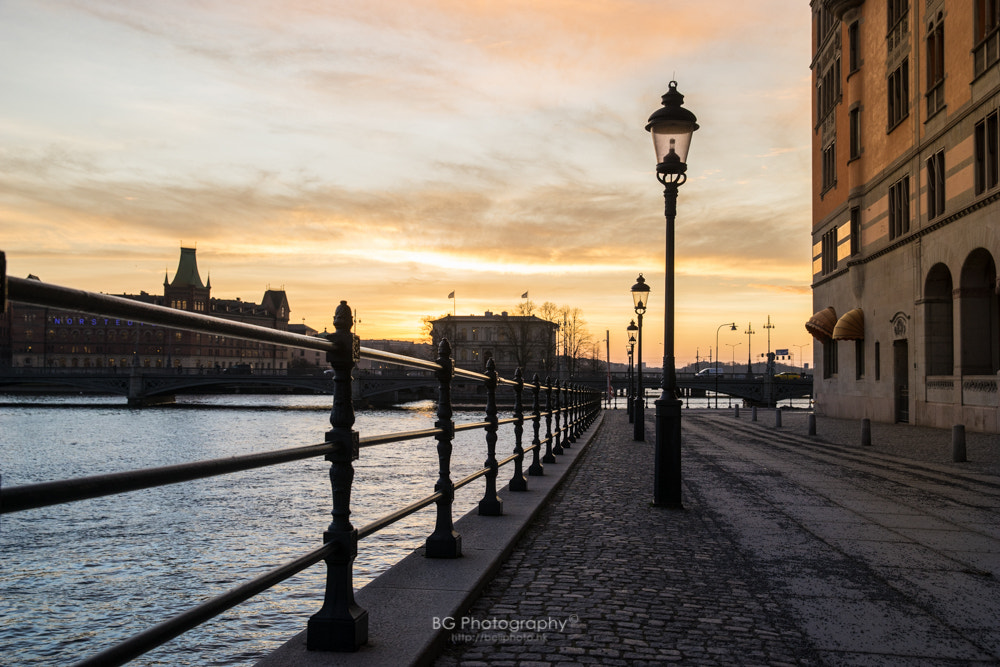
[340, 625]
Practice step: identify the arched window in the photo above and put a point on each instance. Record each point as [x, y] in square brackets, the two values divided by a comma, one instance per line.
[980, 321]
[939, 322]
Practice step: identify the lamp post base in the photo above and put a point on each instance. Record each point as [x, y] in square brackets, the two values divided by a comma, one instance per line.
[667, 464]
[639, 423]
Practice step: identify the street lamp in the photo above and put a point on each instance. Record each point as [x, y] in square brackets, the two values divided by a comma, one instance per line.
[640, 297]
[730, 324]
[631, 329]
[749, 332]
[672, 127]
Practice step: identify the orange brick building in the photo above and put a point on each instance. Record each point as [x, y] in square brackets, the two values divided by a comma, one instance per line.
[906, 220]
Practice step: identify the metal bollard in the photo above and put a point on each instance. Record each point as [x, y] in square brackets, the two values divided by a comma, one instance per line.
[958, 443]
[777, 418]
[812, 424]
[753, 413]
[736, 411]
[866, 432]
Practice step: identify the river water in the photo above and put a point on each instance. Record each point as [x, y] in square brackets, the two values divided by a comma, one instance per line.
[77, 578]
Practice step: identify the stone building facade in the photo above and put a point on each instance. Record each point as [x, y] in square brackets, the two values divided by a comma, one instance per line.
[512, 341]
[49, 338]
[906, 210]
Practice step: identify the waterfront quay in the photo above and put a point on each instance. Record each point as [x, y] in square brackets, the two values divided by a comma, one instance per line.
[791, 549]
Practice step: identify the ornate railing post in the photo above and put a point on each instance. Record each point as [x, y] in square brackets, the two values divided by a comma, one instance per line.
[518, 482]
[570, 427]
[549, 456]
[340, 625]
[444, 542]
[535, 469]
[559, 431]
[491, 504]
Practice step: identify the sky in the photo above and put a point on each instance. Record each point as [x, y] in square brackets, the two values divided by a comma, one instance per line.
[388, 153]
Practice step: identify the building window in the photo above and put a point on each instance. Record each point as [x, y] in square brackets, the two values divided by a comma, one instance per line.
[828, 93]
[987, 152]
[859, 359]
[899, 208]
[986, 43]
[855, 230]
[898, 94]
[829, 250]
[829, 358]
[855, 127]
[829, 166]
[935, 66]
[897, 22]
[935, 185]
[854, 47]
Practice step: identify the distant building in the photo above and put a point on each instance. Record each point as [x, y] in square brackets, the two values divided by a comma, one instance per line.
[53, 338]
[512, 341]
[906, 210]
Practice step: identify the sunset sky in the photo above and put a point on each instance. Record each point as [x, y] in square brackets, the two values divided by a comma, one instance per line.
[389, 153]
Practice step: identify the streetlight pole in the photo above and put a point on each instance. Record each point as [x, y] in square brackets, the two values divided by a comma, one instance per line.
[671, 127]
[640, 297]
[749, 332]
[730, 324]
[631, 329]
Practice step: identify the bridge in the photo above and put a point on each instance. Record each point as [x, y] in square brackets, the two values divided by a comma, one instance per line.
[157, 386]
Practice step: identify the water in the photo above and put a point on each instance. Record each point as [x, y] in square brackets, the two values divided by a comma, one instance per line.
[78, 578]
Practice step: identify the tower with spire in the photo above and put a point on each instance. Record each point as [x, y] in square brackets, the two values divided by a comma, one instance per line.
[187, 291]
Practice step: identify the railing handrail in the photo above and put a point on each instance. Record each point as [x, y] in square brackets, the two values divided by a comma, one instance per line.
[579, 407]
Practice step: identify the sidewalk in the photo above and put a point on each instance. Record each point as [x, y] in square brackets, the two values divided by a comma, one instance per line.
[791, 549]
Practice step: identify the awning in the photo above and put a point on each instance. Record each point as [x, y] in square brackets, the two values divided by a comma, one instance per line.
[821, 324]
[851, 326]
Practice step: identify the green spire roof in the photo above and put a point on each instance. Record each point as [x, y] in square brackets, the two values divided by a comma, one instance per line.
[187, 270]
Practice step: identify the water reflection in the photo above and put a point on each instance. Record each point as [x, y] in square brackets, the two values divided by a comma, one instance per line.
[77, 578]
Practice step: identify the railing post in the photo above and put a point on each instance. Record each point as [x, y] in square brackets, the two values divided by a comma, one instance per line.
[491, 504]
[570, 420]
[444, 542]
[518, 482]
[535, 469]
[340, 625]
[549, 457]
[560, 419]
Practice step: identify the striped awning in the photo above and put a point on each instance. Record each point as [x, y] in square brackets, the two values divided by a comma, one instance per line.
[821, 324]
[851, 326]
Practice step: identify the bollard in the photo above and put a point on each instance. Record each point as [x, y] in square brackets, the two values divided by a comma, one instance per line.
[866, 432]
[812, 424]
[958, 443]
[753, 413]
[777, 419]
[736, 411]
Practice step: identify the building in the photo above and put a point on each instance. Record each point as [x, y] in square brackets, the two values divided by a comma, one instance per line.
[906, 219]
[48, 338]
[512, 341]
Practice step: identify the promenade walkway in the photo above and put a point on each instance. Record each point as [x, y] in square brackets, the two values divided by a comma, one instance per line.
[791, 550]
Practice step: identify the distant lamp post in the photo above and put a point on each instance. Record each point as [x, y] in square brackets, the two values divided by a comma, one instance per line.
[672, 127]
[749, 332]
[631, 329]
[733, 328]
[640, 298]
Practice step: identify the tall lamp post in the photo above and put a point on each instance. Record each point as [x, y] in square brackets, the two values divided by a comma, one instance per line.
[749, 332]
[631, 329]
[672, 127]
[640, 298]
[733, 328]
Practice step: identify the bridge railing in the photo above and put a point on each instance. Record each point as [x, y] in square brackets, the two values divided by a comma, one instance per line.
[339, 625]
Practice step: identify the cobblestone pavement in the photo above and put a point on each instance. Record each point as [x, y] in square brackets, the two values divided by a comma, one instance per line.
[791, 550]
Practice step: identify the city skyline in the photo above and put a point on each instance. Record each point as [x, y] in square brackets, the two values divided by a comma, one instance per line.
[390, 156]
